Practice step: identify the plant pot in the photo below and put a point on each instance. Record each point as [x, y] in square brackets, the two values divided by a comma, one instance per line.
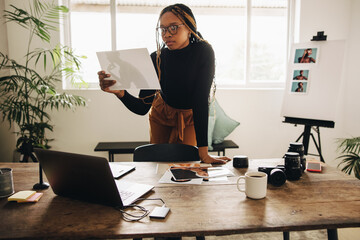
[6, 182]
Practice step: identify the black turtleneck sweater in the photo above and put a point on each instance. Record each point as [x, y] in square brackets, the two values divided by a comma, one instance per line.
[186, 78]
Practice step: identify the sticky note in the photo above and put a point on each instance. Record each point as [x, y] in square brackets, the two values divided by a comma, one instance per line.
[21, 196]
[33, 198]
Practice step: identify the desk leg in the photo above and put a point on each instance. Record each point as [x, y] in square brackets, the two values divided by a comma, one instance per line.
[332, 234]
[111, 157]
[286, 235]
[223, 152]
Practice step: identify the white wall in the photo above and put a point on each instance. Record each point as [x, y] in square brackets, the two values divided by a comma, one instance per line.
[331, 16]
[352, 76]
[261, 133]
[7, 141]
[3, 35]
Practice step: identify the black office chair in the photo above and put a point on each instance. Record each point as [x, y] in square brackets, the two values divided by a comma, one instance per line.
[167, 152]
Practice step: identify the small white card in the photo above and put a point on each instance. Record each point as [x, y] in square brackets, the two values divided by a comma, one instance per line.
[131, 68]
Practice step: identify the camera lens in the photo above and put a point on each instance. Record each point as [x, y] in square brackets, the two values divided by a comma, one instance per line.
[299, 148]
[303, 163]
[277, 177]
[292, 166]
[292, 160]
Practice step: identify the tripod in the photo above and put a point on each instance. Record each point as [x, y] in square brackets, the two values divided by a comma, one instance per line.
[310, 124]
[306, 139]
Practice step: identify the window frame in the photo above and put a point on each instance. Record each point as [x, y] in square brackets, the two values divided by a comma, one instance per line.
[247, 84]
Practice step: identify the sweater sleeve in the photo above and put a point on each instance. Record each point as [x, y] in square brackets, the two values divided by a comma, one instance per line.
[201, 93]
[140, 105]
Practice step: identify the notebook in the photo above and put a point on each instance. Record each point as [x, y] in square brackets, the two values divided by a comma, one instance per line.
[87, 178]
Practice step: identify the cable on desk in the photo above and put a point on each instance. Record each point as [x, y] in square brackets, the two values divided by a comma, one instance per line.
[144, 212]
[131, 217]
[141, 199]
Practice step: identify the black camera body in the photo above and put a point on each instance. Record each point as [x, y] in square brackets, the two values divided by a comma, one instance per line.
[276, 175]
[294, 165]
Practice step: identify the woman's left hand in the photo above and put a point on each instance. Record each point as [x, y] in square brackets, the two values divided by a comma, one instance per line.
[215, 159]
[206, 158]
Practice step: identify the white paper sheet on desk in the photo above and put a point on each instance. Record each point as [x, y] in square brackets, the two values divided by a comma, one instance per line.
[131, 68]
[219, 179]
[217, 172]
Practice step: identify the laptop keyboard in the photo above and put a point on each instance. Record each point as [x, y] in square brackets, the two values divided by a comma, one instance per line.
[125, 194]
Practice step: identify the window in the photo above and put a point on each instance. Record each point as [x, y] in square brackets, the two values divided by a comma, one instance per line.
[249, 37]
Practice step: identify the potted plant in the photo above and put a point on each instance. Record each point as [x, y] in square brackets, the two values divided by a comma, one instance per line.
[28, 91]
[350, 149]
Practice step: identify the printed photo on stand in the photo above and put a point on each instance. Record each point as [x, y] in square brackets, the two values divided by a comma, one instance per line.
[301, 75]
[299, 87]
[306, 55]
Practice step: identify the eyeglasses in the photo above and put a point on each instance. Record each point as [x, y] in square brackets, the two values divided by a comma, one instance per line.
[171, 29]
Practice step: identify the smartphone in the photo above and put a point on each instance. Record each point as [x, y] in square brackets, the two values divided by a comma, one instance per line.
[313, 166]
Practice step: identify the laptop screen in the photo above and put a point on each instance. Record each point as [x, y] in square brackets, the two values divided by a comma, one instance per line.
[82, 177]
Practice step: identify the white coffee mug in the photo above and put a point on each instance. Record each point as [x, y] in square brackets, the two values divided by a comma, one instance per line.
[255, 184]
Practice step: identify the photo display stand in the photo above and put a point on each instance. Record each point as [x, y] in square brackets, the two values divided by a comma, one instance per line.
[310, 124]
[312, 90]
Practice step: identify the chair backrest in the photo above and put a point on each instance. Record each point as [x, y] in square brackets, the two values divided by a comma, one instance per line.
[167, 152]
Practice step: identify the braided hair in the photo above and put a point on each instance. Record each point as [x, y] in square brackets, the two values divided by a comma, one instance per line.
[187, 18]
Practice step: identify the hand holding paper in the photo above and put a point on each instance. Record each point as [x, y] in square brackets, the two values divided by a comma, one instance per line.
[131, 68]
[106, 84]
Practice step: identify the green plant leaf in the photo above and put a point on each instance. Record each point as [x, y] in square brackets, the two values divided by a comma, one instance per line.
[349, 144]
[26, 97]
[350, 162]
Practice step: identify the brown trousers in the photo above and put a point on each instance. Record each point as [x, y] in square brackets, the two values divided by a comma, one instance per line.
[171, 125]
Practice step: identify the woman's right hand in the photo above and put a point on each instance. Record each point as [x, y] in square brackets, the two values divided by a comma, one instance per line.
[105, 84]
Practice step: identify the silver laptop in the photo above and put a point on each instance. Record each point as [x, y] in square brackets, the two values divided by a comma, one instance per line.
[119, 170]
[87, 178]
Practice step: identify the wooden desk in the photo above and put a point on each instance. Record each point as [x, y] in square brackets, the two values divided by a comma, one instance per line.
[129, 147]
[328, 200]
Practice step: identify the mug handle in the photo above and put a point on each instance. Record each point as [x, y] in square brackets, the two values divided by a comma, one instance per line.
[237, 183]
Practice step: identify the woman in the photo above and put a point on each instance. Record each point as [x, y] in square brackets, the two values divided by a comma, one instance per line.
[186, 68]
[306, 57]
[301, 76]
[300, 87]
